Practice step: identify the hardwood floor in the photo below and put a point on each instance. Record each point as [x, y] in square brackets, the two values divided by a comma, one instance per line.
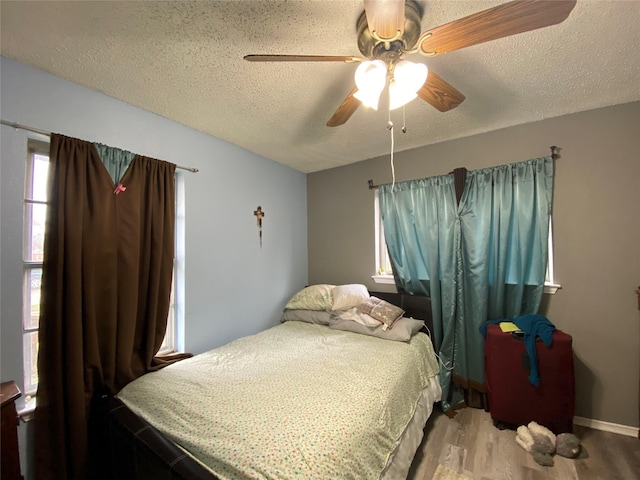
[471, 445]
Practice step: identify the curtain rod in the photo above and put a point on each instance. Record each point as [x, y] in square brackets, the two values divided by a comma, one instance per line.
[48, 134]
[554, 154]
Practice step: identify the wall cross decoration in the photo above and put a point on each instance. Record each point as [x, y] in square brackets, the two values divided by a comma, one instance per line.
[259, 216]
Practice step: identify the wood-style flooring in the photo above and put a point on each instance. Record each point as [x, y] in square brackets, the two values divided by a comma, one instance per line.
[470, 444]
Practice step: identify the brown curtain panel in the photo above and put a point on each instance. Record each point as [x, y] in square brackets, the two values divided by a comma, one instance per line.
[106, 286]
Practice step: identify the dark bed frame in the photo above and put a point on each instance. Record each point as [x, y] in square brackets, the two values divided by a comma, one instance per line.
[126, 447]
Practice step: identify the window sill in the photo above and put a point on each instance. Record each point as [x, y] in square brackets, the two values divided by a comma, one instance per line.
[386, 279]
[28, 411]
[549, 288]
[167, 353]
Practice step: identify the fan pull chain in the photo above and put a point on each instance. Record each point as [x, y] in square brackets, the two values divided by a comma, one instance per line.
[393, 169]
[404, 120]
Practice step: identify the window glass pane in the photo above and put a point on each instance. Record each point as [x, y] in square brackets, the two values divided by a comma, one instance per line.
[35, 211]
[39, 181]
[35, 218]
[550, 278]
[383, 263]
[168, 343]
[30, 348]
[31, 290]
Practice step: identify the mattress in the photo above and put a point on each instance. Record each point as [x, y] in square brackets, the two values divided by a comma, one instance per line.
[295, 401]
[400, 460]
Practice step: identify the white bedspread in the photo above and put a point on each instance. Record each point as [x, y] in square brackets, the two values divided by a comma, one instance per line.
[295, 401]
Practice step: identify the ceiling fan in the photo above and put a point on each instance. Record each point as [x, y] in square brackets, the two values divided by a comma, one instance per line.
[387, 30]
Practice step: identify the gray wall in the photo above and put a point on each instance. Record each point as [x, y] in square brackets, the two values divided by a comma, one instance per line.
[233, 287]
[596, 235]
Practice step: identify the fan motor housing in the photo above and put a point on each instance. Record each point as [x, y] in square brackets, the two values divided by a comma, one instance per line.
[372, 48]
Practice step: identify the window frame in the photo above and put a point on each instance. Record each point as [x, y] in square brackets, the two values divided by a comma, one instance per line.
[35, 148]
[384, 274]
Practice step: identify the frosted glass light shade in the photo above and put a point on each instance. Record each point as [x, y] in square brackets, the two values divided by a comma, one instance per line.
[398, 96]
[408, 78]
[371, 77]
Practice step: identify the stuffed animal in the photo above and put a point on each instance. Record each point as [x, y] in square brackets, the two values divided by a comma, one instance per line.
[568, 445]
[540, 442]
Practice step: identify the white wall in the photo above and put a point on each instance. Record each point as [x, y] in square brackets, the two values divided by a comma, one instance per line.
[233, 287]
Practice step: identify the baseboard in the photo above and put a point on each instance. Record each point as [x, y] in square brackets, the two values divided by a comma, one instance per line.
[607, 426]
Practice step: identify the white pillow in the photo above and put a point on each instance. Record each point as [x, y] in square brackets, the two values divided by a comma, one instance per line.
[357, 316]
[349, 296]
[314, 297]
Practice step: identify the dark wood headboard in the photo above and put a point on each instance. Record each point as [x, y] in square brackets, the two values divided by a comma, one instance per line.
[415, 306]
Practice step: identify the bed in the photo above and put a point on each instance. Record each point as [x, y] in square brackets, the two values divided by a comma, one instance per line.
[299, 400]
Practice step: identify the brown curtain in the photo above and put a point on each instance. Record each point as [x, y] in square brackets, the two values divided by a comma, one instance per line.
[459, 179]
[106, 285]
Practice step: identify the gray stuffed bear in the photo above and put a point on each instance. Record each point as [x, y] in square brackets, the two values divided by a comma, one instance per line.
[568, 445]
[540, 442]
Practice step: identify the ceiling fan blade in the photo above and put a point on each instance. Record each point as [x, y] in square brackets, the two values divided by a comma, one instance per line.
[345, 110]
[498, 22]
[385, 18]
[303, 58]
[439, 93]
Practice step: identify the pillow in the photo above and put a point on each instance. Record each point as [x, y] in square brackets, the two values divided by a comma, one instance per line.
[349, 296]
[313, 297]
[381, 310]
[402, 331]
[319, 317]
[354, 315]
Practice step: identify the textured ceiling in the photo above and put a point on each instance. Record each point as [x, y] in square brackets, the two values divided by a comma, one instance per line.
[183, 61]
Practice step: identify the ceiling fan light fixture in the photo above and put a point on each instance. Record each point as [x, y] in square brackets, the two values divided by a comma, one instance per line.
[408, 78]
[388, 29]
[371, 78]
[399, 97]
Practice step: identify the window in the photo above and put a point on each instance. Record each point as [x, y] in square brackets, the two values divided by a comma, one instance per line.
[35, 210]
[384, 273]
[174, 337]
[550, 285]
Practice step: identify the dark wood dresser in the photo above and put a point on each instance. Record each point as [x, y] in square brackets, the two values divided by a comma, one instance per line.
[10, 469]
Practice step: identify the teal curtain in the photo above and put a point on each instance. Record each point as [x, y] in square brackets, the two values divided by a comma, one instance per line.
[115, 160]
[421, 231]
[504, 221]
[483, 259]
